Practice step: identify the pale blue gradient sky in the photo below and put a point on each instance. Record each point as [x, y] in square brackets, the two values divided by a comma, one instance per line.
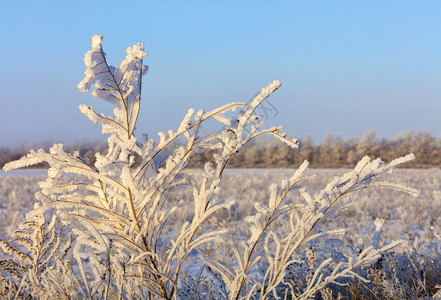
[345, 66]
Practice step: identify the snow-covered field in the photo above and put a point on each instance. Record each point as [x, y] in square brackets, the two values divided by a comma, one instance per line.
[403, 215]
[415, 219]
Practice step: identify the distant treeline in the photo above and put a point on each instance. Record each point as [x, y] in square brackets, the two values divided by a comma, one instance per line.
[336, 152]
[332, 152]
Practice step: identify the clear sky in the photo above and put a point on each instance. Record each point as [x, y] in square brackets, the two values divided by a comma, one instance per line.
[345, 66]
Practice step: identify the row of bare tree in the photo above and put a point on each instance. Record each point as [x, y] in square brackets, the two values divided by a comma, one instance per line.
[332, 152]
[336, 152]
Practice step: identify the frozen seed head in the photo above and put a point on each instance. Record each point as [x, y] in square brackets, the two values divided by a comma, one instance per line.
[378, 224]
[97, 40]
[136, 51]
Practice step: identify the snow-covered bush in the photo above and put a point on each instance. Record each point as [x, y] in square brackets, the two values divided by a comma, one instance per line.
[107, 232]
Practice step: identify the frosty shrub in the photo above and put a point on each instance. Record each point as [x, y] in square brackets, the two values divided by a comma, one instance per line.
[107, 231]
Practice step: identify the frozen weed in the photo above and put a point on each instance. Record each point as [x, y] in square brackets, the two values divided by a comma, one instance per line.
[108, 231]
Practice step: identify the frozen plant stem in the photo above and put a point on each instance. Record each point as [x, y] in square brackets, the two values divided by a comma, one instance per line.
[123, 240]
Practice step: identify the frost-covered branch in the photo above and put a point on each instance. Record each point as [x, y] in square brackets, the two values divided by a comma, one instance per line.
[122, 238]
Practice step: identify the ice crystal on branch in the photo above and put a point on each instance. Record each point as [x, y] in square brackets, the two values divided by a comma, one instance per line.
[121, 240]
[120, 86]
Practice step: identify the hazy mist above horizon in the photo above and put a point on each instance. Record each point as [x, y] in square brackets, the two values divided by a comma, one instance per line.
[346, 67]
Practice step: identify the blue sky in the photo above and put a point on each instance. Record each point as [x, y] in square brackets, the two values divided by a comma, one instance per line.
[345, 66]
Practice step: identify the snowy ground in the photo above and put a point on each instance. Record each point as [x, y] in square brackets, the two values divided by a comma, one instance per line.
[402, 213]
[24, 173]
[415, 219]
